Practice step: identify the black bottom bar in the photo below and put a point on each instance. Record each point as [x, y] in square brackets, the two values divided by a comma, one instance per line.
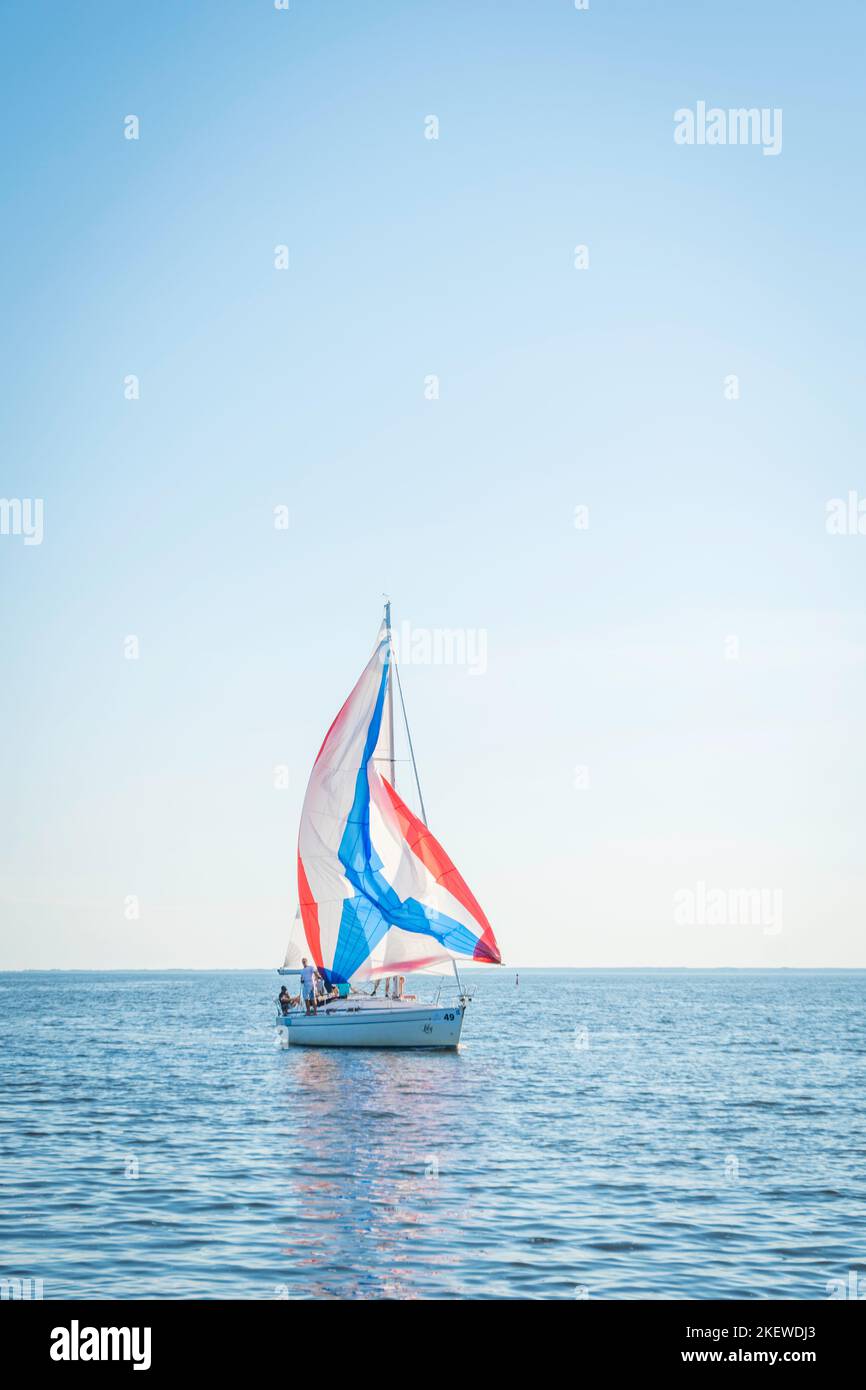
[165, 1338]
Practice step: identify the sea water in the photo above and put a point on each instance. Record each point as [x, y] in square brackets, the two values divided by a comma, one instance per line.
[599, 1135]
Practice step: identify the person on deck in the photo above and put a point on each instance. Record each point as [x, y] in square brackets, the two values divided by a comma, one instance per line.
[309, 976]
[285, 1000]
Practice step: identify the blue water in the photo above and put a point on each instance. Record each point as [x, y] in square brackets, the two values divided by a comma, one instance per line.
[601, 1135]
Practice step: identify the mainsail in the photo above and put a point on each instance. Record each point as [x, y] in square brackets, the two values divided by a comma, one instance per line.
[377, 891]
[296, 947]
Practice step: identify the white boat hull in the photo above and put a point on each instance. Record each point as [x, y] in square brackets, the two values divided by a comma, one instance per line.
[371, 1023]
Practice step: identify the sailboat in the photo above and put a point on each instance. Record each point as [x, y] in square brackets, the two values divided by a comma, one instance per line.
[379, 898]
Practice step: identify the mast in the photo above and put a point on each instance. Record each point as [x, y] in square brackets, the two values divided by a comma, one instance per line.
[396, 671]
[390, 693]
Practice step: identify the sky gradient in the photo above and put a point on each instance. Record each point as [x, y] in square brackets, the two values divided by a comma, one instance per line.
[619, 748]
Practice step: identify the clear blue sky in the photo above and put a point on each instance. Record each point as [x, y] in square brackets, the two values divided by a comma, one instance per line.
[559, 388]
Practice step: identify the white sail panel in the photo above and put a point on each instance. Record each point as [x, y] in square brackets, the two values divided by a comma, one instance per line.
[296, 945]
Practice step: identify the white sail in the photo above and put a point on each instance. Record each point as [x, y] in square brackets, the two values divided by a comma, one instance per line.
[297, 944]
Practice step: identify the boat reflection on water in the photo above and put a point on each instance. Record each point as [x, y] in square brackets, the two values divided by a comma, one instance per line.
[392, 1195]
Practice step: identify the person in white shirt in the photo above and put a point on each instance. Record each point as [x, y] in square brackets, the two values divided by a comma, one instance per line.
[309, 976]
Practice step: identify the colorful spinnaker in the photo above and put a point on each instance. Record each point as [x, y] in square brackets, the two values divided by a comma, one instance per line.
[378, 894]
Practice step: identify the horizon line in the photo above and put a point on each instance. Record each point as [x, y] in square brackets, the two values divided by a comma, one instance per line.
[472, 969]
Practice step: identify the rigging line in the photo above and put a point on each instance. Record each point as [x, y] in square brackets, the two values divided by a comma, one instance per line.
[408, 735]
